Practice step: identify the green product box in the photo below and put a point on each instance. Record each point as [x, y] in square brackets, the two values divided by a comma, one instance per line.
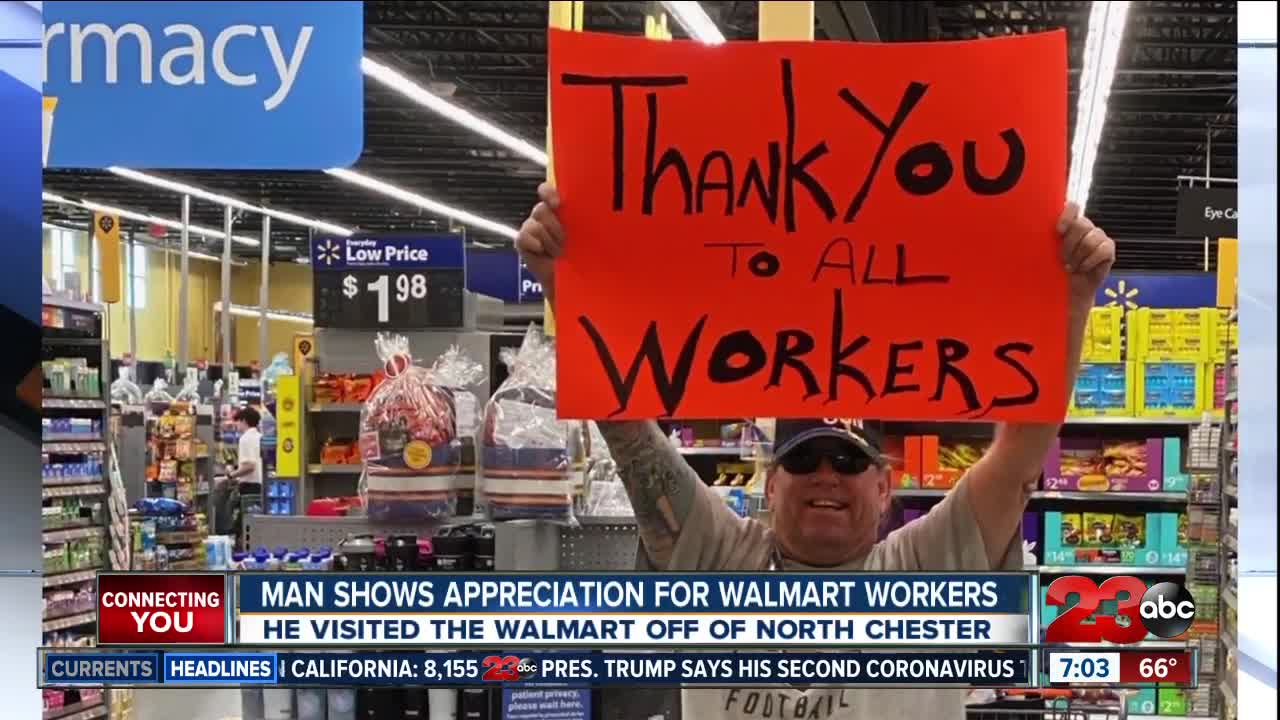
[1175, 480]
[1171, 701]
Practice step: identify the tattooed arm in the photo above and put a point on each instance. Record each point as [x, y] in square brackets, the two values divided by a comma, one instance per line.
[661, 485]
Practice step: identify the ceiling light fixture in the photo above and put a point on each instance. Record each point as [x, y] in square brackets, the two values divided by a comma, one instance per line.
[695, 21]
[439, 105]
[253, 312]
[185, 189]
[420, 201]
[1101, 55]
[146, 218]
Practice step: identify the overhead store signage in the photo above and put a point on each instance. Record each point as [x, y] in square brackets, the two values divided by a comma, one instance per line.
[811, 229]
[258, 85]
[1207, 212]
[500, 274]
[370, 282]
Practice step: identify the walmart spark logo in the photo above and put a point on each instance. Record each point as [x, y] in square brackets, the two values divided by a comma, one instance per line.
[328, 253]
[1122, 296]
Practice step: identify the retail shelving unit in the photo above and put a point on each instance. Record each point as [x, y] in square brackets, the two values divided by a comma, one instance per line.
[76, 478]
[1228, 548]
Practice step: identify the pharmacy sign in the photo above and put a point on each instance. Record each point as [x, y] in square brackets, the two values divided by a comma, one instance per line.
[261, 85]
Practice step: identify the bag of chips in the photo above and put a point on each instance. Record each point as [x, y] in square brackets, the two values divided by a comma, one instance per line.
[458, 373]
[530, 461]
[408, 442]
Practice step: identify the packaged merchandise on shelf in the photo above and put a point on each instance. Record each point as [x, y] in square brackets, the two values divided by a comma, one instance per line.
[71, 378]
[606, 496]
[1146, 539]
[458, 373]
[1103, 340]
[335, 388]
[1096, 465]
[528, 457]
[1104, 390]
[408, 442]
[1170, 389]
[1171, 335]
[123, 389]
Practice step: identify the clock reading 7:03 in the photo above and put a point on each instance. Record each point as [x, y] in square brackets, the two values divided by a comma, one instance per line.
[407, 286]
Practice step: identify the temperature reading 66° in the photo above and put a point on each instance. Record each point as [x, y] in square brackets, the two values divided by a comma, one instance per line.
[1157, 668]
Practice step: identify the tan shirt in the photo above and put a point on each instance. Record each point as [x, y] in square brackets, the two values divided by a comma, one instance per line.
[947, 538]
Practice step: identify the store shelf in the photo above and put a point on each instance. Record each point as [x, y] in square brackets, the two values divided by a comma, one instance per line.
[1232, 492]
[179, 538]
[69, 304]
[1228, 695]
[1131, 421]
[70, 403]
[71, 340]
[189, 565]
[919, 492]
[335, 469]
[1160, 497]
[1229, 598]
[73, 448]
[70, 621]
[74, 577]
[73, 491]
[57, 536]
[337, 408]
[79, 711]
[721, 451]
[1104, 569]
[1230, 543]
[72, 480]
[72, 438]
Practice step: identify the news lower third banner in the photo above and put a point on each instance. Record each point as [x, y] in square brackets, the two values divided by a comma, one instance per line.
[651, 610]
[1012, 667]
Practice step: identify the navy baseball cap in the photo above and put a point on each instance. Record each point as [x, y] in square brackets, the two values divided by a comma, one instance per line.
[791, 433]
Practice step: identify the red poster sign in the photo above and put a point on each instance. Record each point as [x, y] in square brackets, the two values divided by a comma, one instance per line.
[811, 229]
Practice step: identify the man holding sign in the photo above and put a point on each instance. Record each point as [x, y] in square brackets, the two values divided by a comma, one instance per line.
[785, 309]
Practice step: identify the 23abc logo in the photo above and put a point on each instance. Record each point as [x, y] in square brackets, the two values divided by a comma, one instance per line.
[1165, 610]
[509, 668]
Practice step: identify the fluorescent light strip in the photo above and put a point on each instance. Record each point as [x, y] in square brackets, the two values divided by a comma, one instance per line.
[1101, 54]
[185, 189]
[695, 21]
[437, 104]
[144, 217]
[425, 203]
[253, 312]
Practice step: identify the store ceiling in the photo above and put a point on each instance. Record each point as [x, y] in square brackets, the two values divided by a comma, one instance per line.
[1175, 90]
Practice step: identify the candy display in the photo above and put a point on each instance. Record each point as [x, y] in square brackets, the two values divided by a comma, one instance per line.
[408, 441]
[528, 457]
[331, 388]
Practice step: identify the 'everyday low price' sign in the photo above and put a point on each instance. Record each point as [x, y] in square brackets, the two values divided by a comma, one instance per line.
[266, 85]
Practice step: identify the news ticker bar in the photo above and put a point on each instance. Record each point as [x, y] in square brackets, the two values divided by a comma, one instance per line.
[540, 611]
[1008, 667]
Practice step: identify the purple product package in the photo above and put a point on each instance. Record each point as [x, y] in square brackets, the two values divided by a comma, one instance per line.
[1107, 466]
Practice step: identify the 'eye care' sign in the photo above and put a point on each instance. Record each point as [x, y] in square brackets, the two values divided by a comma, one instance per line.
[261, 85]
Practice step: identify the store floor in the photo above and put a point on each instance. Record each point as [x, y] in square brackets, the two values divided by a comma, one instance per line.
[192, 704]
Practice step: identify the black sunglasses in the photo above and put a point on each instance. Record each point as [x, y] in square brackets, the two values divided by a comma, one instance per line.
[807, 459]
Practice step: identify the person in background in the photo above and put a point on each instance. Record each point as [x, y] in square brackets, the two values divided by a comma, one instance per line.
[244, 478]
[249, 455]
[828, 491]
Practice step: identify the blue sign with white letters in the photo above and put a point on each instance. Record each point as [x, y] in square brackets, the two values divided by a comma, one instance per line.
[1133, 290]
[218, 85]
[388, 251]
